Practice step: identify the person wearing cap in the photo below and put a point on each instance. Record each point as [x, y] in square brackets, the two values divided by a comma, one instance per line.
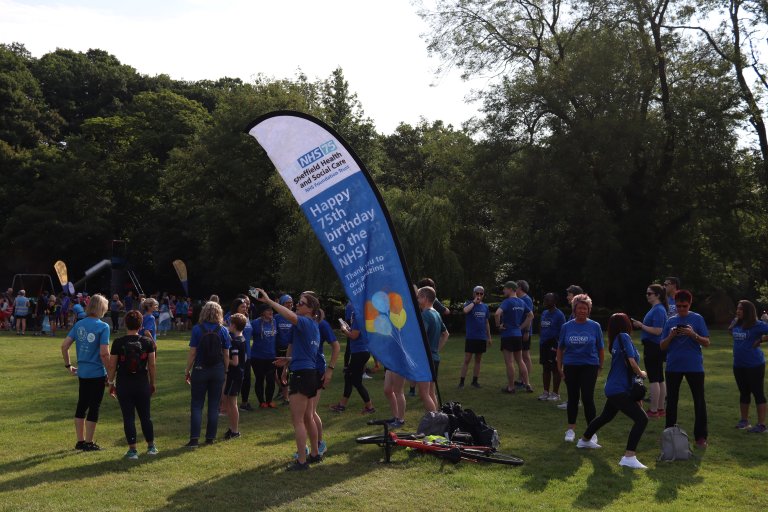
[21, 311]
[478, 334]
[522, 294]
[513, 316]
[283, 339]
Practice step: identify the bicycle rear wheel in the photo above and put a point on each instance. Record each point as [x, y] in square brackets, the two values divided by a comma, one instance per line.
[490, 456]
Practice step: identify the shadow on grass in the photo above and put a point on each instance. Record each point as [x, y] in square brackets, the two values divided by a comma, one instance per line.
[557, 467]
[604, 485]
[671, 477]
[86, 470]
[34, 460]
[281, 487]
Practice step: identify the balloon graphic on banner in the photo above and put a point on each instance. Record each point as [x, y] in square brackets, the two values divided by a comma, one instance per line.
[396, 312]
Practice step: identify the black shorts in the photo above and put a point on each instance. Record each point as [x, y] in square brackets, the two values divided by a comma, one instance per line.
[653, 359]
[234, 382]
[281, 352]
[513, 344]
[475, 346]
[527, 344]
[320, 380]
[548, 354]
[304, 382]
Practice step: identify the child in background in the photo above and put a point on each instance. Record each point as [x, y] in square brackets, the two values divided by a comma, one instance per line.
[149, 324]
[235, 373]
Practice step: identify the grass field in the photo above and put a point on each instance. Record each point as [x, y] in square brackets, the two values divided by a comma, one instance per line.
[39, 470]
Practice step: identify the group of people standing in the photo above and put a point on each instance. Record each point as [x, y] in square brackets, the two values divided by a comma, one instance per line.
[224, 349]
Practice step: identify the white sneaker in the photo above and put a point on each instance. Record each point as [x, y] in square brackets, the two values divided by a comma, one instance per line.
[593, 439]
[587, 444]
[543, 396]
[632, 462]
[366, 376]
[553, 397]
[563, 406]
[570, 435]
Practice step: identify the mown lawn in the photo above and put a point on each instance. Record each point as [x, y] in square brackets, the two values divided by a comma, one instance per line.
[39, 470]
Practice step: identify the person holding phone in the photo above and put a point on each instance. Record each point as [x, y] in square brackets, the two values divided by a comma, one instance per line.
[653, 357]
[683, 337]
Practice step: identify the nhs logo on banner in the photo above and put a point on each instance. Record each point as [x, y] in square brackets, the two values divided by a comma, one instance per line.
[317, 153]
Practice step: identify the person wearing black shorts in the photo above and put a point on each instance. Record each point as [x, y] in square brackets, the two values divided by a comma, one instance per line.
[653, 356]
[478, 330]
[552, 319]
[238, 367]
[513, 317]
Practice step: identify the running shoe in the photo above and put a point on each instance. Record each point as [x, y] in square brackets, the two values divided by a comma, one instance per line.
[152, 450]
[246, 407]
[322, 448]
[368, 410]
[297, 466]
[461, 385]
[314, 459]
[91, 447]
[296, 455]
[528, 388]
[662, 413]
[593, 439]
[701, 443]
[272, 405]
[544, 396]
[366, 376]
[508, 391]
[553, 397]
[757, 429]
[652, 414]
[743, 424]
[632, 462]
[395, 423]
[476, 385]
[587, 444]
[338, 408]
[132, 454]
[210, 441]
[563, 405]
[193, 443]
[80, 445]
[570, 435]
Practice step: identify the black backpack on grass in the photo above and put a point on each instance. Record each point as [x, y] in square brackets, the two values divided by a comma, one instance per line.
[210, 349]
[466, 421]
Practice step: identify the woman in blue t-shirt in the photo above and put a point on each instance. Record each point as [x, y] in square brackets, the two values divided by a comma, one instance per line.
[478, 334]
[263, 355]
[749, 363]
[91, 337]
[624, 359]
[206, 378]
[653, 357]
[302, 362]
[580, 356]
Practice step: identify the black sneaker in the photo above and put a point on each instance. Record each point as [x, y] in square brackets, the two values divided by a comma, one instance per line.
[246, 407]
[193, 443]
[210, 441]
[314, 459]
[231, 435]
[297, 466]
[475, 385]
[91, 447]
[80, 445]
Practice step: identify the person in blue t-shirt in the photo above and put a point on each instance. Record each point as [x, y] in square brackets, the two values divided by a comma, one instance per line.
[653, 357]
[359, 354]
[624, 358]
[683, 336]
[302, 361]
[672, 285]
[513, 317]
[522, 293]
[437, 336]
[264, 330]
[552, 319]
[149, 324]
[91, 337]
[242, 305]
[21, 312]
[749, 363]
[206, 378]
[478, 334]
[580, 357]
[284, 337]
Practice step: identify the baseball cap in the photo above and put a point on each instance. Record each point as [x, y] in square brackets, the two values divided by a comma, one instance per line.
[285, 298]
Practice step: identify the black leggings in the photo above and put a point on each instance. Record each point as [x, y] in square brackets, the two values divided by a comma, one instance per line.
[245, 390]
[750, 382]
[580, 381]
[89, 398]
[134, 398]
[115, 320]
[264, 370]
[622, 403]
[696, 383]
[353, 375]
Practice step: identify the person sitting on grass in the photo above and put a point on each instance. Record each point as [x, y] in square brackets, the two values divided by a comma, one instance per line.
[91, 338]
[132, 365]
[235, 374]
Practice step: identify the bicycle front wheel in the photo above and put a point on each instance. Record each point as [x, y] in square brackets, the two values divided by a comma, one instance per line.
[493, 457]
[382, 440]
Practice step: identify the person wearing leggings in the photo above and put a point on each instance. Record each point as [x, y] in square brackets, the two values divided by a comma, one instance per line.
[91, 338]
[749, 364]
[264, 331]
[624, 358]
[353, 372]
[580, 356]
[131, 375]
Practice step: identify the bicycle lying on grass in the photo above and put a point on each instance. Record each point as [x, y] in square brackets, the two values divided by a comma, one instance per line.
[452, 451]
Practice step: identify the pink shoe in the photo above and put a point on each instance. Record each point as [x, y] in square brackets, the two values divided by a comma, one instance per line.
[652, 414]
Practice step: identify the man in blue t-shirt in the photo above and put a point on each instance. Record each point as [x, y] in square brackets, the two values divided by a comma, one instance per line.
[552, 319]
[513, 316]
[478, 334]
[437, 336]
[522, 294]
[682, 337]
